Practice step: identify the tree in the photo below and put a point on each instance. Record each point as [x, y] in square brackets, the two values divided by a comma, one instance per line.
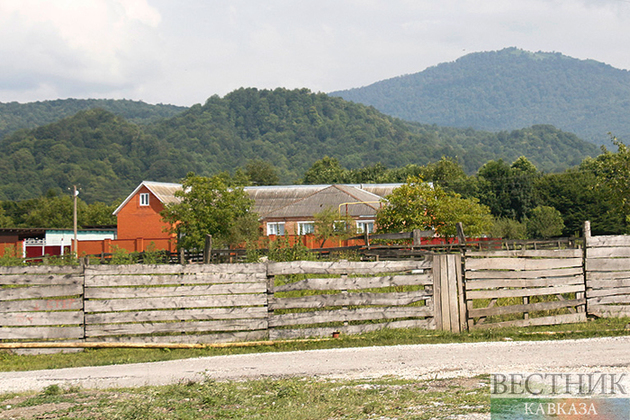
[210, 206]
[613, 170]
[508, 189]
[325, 171]
[330, 224]
[5, 221]
[418, 205]
[544, 222]
[579, 195]
[261, 172]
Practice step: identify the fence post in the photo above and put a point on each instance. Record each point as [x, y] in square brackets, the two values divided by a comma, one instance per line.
[207, 250]
[270, 291]
[587, 237]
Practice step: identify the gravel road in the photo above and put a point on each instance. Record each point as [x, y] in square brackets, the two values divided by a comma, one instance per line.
[414, 361]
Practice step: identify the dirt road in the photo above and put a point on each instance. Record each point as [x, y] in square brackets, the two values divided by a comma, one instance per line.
[414, 361]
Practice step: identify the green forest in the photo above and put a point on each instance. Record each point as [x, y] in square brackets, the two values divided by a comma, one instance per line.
[107, 155]
[263, 137]
[507, 89]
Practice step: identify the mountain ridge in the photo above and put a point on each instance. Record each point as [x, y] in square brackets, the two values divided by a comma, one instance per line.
[509, 89]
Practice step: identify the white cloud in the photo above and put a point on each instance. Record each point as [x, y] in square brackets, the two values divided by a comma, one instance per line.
[65, 47]
[183, 52]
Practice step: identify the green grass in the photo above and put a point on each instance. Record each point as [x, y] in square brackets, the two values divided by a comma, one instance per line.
[293, 398]
[99, 357]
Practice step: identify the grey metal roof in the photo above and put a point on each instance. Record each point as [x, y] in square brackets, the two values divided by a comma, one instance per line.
[345, 199]
[272, 198]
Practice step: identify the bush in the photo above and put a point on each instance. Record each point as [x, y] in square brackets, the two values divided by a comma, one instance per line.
[544, 222]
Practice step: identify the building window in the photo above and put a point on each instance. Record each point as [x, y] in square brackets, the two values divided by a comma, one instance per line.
[144, 199]
[306, 227]
[275, 228]
[365, 227]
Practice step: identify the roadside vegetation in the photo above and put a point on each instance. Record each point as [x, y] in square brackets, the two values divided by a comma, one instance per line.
[293, 398]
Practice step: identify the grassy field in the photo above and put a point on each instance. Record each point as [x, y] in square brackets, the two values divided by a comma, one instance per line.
[291, 399]
[98, 357]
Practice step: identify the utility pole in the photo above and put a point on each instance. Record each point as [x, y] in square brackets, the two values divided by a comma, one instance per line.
[75, 248]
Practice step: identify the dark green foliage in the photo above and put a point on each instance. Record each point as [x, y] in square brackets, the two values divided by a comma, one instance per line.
[15, 116]
[508, 89]
[107, 156]
[55, 211]
[508, 189]
[578, 196]
[544, 222]
[261, 172]
[211, 206]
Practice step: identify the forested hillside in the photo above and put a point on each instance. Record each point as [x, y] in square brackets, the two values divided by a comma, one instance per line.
[108, 156]
[15, 116]
[509, 89]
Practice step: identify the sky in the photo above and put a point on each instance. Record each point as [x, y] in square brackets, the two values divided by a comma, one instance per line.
[182, 52]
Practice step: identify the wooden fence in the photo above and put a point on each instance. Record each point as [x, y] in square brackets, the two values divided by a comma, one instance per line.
[520, 288]
[608, 275]
[176, 303]
[41, 303]
[237, 302]
[213, 302]
[351, 297]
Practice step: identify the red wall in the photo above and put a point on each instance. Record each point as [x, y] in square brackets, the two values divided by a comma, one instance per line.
[136, 221]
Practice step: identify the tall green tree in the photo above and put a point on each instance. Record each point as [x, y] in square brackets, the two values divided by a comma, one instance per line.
[261, 172]
[418, 205]
[508, 189]
[613, 171]
[211, 206]
[327, 170]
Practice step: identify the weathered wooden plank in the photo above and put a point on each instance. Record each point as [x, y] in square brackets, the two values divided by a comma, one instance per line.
[41, 333]
[607, 241]
[175, 269]
[608, 283]
[358, 314]
[283, 334]
[608, 252]
[139, 292]
[608, 264]
[349, 299]
[170, 327]
[345, 267]
[40, 279]
[609, 291]
[41, 269]
[606, 311]
[606, 275]
[168, 279]
[530, 307]
[547, 320]
[505, 274]
[355, 283]
[177, 315]
[617, 299]
[224, 337]
[493, 284]
[453, 267]
[521, 263]
[528, 253]
[34, 292]
[65, 304]
[114, 305]
[18, 319]
[438, 292]
[502, 293]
